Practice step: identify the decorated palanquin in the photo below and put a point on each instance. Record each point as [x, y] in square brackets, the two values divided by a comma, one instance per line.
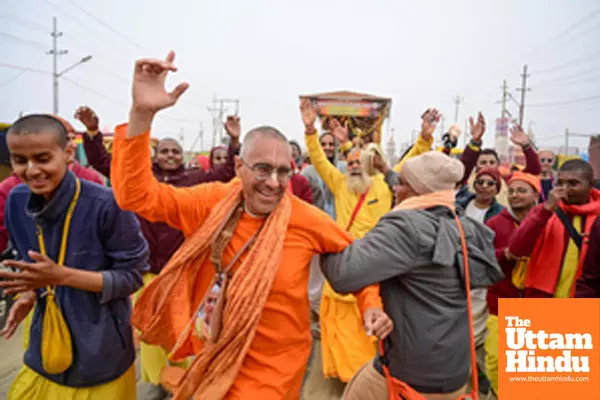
[364, 113]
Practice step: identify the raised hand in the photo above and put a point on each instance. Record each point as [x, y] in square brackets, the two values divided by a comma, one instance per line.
[379, 163]
[233, 127]
[477, 129]
[338, 131]
[309, 113]
[88, 118]
[430, 118]
[518, 136]
[149, 93]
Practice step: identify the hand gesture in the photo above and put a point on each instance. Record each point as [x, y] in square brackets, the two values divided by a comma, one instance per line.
[39, 274]
[19, 310]
[338, 131]
[377, 323]
[149, 93]
[554, 197]
[233, 128]
[518, 136]
[379, 163]
[430, 118]
[309, 113]
[88, 118]
[477, 129]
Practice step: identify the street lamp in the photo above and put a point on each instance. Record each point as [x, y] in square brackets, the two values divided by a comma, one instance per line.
[57, 75]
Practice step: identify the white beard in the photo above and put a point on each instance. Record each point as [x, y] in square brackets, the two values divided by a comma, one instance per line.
[358, 184]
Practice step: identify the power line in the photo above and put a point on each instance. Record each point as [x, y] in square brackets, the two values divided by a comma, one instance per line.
[119, 102]
[106, 25]
[22, 72]
[566, 78]
[568, 41]
[566, 102]
[25, 42]
[590, 79]
[23, 22]
[576, 61]
[20, 68]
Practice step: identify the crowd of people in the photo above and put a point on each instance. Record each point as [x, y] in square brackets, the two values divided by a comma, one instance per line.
[259, 272]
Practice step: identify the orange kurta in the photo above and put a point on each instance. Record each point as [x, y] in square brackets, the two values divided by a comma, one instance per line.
[275, 363]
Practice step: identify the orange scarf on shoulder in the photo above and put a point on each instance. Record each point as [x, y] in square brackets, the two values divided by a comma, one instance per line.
[445, 198]
[546, 260]
[165, 308]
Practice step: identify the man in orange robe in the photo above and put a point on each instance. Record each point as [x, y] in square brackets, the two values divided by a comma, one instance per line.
[261, 347]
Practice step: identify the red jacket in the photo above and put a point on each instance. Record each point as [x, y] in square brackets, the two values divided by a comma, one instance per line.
[588, 284]
[503, 226]
[301, 188]
[9, 183]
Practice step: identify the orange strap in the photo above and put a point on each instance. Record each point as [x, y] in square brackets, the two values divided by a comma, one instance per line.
[399, 389]
[361, 200]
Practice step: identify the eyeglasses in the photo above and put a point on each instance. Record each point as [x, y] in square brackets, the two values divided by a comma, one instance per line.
[546, 160]
[265, 171]
[523, 191]
[484, 182]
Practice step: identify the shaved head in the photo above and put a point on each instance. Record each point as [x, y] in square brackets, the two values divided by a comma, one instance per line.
[255, 135]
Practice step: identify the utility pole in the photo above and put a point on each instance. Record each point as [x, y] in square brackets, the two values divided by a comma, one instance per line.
[55, 52]
[504, 99]
[219, 110]
[523, 89]
[457, 102]
[566, 141]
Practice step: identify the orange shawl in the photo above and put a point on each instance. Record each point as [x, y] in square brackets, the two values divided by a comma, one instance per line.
[164, 308]
[547, 256]
[445, 198]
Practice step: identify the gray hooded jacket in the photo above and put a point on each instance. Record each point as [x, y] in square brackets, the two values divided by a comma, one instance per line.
[416, 256]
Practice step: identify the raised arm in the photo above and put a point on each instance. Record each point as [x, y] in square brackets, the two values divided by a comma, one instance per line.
[532, 161]
[226, 172]
[93, 141]
[430, 118]
[328, 172]
[473, 148]
[135, 187]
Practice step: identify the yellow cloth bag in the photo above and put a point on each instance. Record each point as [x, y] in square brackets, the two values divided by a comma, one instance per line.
[520, 272]
[57, 346]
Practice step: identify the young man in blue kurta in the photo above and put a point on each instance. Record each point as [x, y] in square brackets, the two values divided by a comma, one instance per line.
[105, 257]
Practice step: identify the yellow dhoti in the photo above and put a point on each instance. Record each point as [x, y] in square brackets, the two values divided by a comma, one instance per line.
[29, 385]
[491, 352]
[153, 359]
[345, 344]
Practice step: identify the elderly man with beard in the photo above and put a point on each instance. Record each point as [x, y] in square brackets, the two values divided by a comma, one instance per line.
[523, 192]
[323, 199]
[360, 200]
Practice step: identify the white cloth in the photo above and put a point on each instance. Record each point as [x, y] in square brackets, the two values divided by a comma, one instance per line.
[478, 214]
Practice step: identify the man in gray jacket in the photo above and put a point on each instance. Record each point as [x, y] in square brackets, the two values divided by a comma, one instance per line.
[415, 253]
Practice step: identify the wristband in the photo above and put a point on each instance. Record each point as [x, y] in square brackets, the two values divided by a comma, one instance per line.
[346, 147]
[92, 133]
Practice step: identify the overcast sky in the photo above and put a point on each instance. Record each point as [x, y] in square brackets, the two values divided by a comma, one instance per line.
[267, 52]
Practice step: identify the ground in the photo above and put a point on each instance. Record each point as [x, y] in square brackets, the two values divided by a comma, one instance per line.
[11, 361]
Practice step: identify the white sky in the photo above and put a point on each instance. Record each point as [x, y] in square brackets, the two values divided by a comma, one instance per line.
[267, 52]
